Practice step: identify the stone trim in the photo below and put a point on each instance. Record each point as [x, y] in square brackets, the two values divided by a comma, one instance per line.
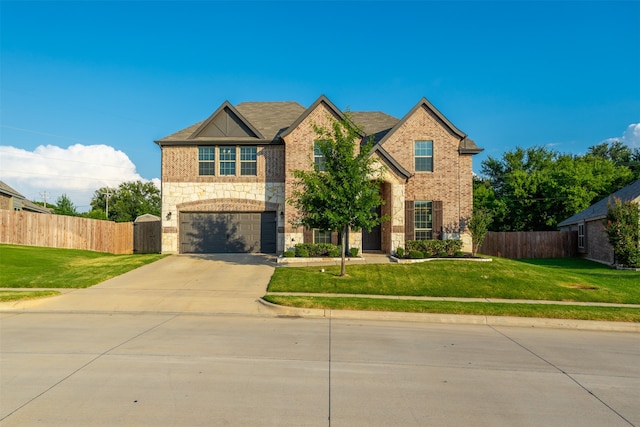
[227, 205]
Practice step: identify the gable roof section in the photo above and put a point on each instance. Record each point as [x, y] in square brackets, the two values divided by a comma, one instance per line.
[599, 209]
[466, 146]
[321, 100]
[226, 122]
[248, 122]
[391, 162]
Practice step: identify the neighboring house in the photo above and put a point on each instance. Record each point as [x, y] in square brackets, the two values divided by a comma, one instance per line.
[10, 199]
[226, 180]
[593, 242]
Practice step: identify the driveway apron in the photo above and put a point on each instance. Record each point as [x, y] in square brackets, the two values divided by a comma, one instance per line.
[221, 283]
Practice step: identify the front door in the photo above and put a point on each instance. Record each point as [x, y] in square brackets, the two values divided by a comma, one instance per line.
[372, 240]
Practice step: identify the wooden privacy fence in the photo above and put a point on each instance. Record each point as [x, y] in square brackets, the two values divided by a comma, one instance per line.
[146, 237]
[61, 231]
[530, 244]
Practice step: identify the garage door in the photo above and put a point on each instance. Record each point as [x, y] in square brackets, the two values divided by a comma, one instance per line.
[218, 232]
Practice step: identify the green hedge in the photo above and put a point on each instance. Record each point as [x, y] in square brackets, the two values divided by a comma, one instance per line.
[304, 250]
[432, 248]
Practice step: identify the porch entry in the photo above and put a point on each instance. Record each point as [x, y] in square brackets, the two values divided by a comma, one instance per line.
[372, 240]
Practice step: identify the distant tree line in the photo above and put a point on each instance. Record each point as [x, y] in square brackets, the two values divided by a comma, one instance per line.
[122, 204]
[533, 189]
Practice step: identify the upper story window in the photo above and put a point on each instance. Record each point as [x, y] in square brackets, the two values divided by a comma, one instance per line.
[206, 160]
[248, 161]
[227, 160]
[318, 157]
[423, 155]
[231, 159]
[423, 220]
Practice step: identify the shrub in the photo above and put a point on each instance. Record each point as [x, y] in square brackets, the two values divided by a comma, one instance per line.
[622, 225]
[317, 250]
[416, 254]
[301, 251]
[435, 248]
[400, 252]
[289, 254]
[354, 252]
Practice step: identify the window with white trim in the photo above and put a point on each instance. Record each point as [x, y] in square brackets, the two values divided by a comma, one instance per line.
[248, 161]
[206, 160]
[318, 157]
[423, 220]
[423, 155]
[227, 160]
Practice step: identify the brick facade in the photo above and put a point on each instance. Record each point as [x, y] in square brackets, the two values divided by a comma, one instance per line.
[450, 183]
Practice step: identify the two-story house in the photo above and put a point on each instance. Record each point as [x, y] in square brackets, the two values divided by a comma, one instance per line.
[226, 180]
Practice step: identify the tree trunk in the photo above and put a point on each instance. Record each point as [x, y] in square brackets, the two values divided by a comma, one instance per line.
[343, 267]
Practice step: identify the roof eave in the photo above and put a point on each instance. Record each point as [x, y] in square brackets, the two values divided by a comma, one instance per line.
[220, 141]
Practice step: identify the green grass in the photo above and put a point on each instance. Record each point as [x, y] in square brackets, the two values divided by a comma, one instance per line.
[38, 267]
[23, 295]
[554, 311]
[547, 279]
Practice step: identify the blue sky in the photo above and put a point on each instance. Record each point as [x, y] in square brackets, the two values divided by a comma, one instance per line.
[87, 86]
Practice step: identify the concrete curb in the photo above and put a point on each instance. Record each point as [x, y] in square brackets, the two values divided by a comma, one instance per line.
[588, 325]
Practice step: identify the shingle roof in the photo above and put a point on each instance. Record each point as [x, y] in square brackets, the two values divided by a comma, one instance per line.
[271, 118]
[374, 123]
[7, 189]
[599, 210]
[274, 120]
[26, 204]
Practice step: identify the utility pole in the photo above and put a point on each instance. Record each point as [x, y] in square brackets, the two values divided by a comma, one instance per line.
[44, 196]
[107, 195]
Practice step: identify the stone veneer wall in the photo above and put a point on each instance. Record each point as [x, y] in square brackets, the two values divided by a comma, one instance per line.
[217, 197]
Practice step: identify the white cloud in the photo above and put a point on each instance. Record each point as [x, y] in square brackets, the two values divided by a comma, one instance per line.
[630, 137]
[77, 171]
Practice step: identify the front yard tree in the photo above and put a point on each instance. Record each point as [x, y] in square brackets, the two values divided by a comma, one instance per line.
[343, 191]
[478, 227]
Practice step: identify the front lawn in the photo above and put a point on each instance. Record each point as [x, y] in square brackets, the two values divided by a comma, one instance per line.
[547, 279]
[553, 311]
[39, 267]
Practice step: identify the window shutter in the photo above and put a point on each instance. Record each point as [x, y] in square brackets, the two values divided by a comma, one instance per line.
[437, 219]
[408, 221]
[334, 237]
[307, 235]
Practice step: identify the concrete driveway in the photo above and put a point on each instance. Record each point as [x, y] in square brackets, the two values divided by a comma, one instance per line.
[221, 283]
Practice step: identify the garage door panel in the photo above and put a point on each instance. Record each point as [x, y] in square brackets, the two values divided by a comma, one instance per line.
[211, 232]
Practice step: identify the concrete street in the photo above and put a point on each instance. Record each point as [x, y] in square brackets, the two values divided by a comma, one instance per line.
[183, 342]
[192, 370]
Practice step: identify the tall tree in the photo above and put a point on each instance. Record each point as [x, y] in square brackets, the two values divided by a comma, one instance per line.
[64, 206]
[128, 201]
[536, 188]
[343, 193]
